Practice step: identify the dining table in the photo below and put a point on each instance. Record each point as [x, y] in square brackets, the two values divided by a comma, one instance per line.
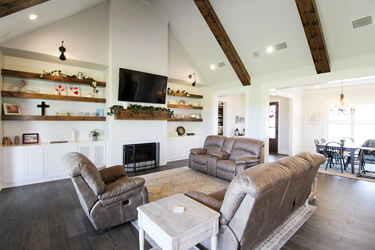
[348, 146]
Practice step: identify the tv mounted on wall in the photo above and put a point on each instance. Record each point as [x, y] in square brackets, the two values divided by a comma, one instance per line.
[136, 86]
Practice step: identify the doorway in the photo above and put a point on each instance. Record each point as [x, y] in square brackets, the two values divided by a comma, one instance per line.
[273, 127]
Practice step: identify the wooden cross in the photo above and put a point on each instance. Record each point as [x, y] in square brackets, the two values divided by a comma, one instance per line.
[43, 106]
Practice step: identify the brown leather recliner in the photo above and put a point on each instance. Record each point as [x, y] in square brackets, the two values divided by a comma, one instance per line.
[260, 198]
[108, 197]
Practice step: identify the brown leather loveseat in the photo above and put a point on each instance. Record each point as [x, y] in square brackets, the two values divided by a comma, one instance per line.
[225, 157]
[260, 198]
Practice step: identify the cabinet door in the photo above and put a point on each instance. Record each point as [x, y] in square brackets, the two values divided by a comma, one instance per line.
[14, 165]
[95, 152]
[53, 162]
[99, 155]
[34, 162]
[172, 145]
[85, 149]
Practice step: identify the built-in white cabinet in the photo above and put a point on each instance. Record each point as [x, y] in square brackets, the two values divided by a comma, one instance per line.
[179, 146]
[21, 165]
[95, 152]
[14, 165]
[33, 163]
[53, 164]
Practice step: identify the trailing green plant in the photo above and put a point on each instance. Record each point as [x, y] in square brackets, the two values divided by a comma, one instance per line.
[112, 109]
[172, 92]
[137, 107]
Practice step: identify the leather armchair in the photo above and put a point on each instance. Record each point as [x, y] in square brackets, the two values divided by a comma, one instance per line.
[108, 197]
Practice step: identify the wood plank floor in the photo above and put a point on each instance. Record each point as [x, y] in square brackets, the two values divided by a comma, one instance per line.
[49, 216]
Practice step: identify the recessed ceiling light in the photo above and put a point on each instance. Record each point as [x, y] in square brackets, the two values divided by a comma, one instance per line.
[33, 17]
[270, 49]
[213, 67]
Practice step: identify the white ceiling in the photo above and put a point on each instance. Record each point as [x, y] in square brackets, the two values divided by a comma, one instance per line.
[252, 25]
[17, 24]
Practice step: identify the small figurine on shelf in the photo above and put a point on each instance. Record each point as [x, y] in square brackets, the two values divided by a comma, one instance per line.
[236, 132]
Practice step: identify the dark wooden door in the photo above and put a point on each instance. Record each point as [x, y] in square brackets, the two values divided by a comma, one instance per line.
[274, 127]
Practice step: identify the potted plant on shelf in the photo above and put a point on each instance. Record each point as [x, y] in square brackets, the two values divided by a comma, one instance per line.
[94, 134]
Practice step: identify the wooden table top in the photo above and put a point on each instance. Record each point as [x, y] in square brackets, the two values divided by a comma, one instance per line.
[173, 224]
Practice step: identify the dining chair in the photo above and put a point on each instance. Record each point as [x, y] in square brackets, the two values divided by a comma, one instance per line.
[334, 152]
[320, 148]
[367, 156]
[323, 140]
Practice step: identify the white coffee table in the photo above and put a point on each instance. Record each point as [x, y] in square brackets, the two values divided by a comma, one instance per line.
[177, 230]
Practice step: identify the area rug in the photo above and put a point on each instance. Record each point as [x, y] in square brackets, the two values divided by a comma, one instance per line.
[180, 180]
[336, 171]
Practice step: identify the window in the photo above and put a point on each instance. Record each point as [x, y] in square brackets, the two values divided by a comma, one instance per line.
[359, 125]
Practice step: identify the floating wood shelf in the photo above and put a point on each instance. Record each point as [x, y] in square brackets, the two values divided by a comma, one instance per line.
[185, 95]
[129, 114]
[21, 74]
[51, 97]
[185, 120]
[50, 118]
[184, 106]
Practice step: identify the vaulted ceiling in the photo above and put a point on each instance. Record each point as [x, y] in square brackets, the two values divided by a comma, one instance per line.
[251, 25]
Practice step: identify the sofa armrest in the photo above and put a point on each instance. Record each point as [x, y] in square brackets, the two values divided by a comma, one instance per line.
[198, 151]
[205, 200]
[247, 160]
[121, 186]
[112, 173]
[222, 155]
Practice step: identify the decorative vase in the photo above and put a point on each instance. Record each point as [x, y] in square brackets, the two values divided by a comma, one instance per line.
[94, 137]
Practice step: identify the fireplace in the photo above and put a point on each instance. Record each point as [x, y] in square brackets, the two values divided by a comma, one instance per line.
[141, 156]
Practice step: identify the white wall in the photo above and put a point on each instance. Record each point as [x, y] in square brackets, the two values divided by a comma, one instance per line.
[85, 37]
[138, 41]
[234, 106]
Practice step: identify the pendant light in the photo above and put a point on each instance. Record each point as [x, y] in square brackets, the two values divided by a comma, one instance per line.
[62, 50]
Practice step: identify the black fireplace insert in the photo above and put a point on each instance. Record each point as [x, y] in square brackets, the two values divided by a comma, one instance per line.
[141, 156]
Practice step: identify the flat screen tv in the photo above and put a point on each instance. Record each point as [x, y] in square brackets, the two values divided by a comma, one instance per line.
[135, 86]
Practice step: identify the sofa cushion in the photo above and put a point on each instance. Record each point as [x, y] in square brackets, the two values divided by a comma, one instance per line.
[78, 164]
[226, 165]
[247, 160]
[245, 147]
[201, 159]
[213, 144]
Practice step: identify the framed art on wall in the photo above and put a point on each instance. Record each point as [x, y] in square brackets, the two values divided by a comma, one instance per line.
[313, 118]
[11, 109]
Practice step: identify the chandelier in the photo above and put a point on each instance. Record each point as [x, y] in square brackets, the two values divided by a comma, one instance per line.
[342, 108]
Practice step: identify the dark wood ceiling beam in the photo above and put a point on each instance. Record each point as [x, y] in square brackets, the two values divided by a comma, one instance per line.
[222, 38]
[313, 30]
[8, 7]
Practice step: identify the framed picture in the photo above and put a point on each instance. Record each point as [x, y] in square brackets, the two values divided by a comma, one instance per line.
[313, 118]
[11, 109]
[30, 138]
[73, 90]
[60, 89]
